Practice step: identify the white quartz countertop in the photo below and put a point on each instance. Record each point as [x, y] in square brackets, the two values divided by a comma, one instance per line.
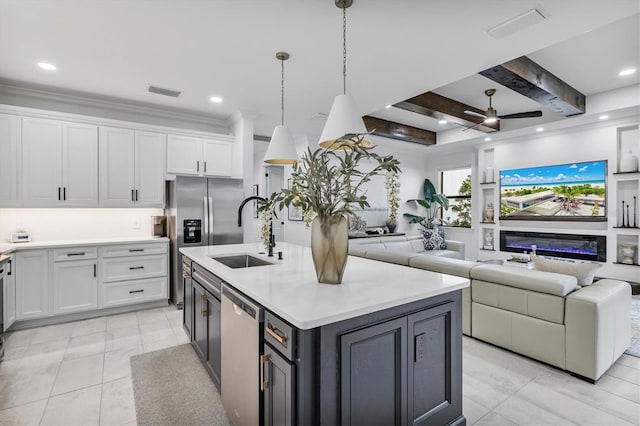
[289, 288]
[7, 248]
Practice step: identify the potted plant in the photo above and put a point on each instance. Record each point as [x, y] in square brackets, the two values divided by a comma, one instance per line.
[327, 185]
[433, 202]
[392, 185]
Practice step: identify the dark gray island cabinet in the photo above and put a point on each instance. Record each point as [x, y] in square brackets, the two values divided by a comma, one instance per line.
[343, 355]
[399, 366]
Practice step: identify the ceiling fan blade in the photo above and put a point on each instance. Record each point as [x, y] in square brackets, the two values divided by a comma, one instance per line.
[477, 114]
[528, 114]
[471, 127]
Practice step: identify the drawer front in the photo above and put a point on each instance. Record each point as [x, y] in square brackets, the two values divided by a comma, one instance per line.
[138, 291]
[74, 253]
[119, 250]
[120, 269]
[279, 334]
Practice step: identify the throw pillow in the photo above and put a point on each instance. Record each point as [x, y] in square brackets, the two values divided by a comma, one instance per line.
[583, 271]
[434, 239]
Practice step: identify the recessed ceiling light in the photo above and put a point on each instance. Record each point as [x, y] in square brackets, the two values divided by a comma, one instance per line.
[604, 117]
[388, 106]
[539, 129]
[487, 139]
[626, 72]
[47, 66]
[442, 122]
[216, 99]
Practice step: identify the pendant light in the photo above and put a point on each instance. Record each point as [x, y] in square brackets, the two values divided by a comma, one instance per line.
[344, 117]
[282, 149]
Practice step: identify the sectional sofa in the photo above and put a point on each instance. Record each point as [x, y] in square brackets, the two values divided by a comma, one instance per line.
[543, 315]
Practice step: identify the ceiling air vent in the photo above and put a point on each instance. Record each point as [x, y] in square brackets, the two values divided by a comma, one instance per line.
[518, 23]
[166, 92]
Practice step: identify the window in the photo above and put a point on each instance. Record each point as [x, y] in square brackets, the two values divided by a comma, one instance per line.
[456, 185]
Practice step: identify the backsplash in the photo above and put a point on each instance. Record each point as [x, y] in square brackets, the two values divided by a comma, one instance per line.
[53, 224]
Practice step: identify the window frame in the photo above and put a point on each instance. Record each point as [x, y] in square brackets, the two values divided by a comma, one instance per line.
[458, 196]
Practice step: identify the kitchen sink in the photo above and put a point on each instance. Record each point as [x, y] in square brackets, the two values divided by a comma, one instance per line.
[236, 261]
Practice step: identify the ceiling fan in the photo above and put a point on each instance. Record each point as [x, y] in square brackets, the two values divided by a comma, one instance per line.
[491, 115]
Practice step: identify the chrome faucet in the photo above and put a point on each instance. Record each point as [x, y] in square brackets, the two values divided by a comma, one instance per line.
[272, 239]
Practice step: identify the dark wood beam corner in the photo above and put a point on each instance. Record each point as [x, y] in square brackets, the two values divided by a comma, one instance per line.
[442, 108]
[526, 77]
[390, 129]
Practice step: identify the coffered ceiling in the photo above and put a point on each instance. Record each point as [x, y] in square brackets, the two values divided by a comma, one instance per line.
[396, 50]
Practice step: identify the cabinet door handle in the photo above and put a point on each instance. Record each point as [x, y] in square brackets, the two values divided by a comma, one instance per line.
[58, 193]
[133, 250]
[95, 267]
[76, 254]
[131, 268]
[136, 291]
[205, 167]
[197, 166]
[132, 199]
[277, 334]
[203, 305]
[264, 384]
[137, 199]
[64, 193]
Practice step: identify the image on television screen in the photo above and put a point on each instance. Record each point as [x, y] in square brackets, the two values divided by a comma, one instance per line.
[562, 191]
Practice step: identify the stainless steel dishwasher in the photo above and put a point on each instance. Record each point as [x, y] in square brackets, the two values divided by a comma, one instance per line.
[241, 344]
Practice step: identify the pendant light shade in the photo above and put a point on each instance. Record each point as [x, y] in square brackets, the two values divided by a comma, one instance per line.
[344, 117]
[282, 149]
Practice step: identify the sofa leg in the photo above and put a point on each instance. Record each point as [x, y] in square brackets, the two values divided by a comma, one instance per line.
[586, 379]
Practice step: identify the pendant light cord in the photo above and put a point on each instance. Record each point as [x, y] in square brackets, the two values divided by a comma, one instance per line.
[282, 92]
[344, 50]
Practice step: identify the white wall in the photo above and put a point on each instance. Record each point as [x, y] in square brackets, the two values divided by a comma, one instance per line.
[55, 224]
[596, 141]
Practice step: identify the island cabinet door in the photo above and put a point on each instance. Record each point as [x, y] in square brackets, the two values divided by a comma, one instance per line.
[373, 371]
[278, 378]
[200, 321]
[213, 337]
[435, 363]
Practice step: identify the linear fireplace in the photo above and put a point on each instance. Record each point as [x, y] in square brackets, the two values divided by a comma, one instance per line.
[572, 246]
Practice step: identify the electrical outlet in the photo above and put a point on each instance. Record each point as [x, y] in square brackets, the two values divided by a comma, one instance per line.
[136, 224]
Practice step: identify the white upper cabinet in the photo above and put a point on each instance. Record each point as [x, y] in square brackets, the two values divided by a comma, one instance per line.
[131, 168]
[59, 163]
[79, 164]
[218, 158]
[9, 160]
[188, 155]
[149, 173]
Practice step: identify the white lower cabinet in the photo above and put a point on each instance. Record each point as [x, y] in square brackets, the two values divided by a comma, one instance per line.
[69, 279]
[32, 284]
[135, 291]
[9, 295]
[75, 286]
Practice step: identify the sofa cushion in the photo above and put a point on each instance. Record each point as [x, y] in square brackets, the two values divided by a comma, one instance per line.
[443, 265]
[400, 246]
[434, 239]
[583, 271]
[515, 276]
[452, 254]
[384, 255]
[525, 302]
[358, 249]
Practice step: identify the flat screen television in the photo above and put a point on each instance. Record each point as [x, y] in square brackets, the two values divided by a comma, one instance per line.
[572, 191]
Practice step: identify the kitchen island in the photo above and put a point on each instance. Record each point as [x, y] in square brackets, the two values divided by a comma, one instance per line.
[383, 347]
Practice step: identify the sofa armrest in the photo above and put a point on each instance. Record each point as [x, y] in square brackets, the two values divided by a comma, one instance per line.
[598, 326]
[456, 246]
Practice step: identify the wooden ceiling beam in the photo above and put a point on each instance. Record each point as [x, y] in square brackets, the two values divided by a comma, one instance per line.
[442, 108]
[526, 77]
[402, 132]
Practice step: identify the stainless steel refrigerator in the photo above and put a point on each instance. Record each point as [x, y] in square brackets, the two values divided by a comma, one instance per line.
[200, 212]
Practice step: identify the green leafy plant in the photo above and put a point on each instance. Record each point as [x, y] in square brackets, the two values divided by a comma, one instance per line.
[328, 182]
[433, 202]
[392, 185]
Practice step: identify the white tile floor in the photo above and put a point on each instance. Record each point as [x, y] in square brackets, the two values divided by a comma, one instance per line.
[79, 374]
